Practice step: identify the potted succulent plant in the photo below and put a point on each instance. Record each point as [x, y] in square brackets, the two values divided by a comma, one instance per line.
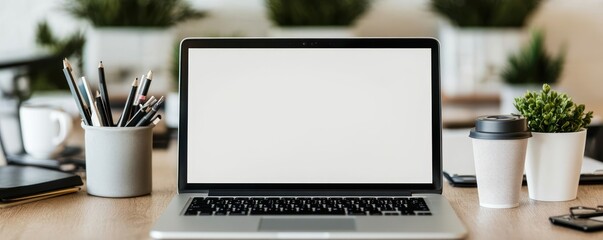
[130, 37]
[556, 149]
[476, 39]
[314, 18]
[531, 67]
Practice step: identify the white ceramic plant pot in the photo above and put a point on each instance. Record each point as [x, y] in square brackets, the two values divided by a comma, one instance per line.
[473, 58]
[129, 52]
[553, 163]
[311, 32]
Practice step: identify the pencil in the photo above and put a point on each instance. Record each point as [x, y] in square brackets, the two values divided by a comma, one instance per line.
[67, 64]
[100, 107]
[76, 93]
[125, 115]
[102, 85]
[94, 116]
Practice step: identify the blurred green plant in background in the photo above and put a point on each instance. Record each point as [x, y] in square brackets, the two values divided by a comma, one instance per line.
[133, 13]
[315, 12]
[486, 13]
[532, 64]
[48, 76]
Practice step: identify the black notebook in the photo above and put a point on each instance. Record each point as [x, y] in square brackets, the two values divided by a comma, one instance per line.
[19, 181]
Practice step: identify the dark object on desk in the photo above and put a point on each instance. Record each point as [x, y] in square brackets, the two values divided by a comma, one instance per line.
[161, 139]
[18, 181]
[594, 142]
[583, 224]
[469, 181]
[63, 164]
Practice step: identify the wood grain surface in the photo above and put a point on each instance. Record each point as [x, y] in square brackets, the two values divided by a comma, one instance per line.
[81, 216]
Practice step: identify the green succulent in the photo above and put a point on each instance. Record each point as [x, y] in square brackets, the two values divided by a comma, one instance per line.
[552, 112]
[138, 13]
[315, 12]
[486, 13]
[533, 64]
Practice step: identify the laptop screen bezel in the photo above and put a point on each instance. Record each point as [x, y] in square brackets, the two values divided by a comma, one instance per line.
[190, 43]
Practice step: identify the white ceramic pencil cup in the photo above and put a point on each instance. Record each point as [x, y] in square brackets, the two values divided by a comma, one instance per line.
[118, 160]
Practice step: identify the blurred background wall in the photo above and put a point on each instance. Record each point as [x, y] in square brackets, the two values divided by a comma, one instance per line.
[577, 24]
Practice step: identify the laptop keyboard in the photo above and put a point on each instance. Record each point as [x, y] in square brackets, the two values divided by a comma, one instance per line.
[358, 206]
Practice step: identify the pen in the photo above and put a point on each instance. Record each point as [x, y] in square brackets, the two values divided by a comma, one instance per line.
[94, 115]
[86, 93]
[125, 115]
[147, 118]
[145, 86]
[144, 89]
[150, 102]
[76, 94]
[156, 120]
[141, 112]
[100, 106]
[102, 85]
[139, 115]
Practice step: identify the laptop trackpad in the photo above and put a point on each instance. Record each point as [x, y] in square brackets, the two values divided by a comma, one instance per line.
[307, 224]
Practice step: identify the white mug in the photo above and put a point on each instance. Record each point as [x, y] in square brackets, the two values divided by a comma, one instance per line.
[45, 130]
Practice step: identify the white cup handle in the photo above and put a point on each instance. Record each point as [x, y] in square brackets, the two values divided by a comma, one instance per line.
[65, 126]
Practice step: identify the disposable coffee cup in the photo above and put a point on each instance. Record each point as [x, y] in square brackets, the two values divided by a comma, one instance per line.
[118, 161]
[499, 150]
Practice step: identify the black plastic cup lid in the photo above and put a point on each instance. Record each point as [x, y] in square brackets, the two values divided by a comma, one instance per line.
[500, 127]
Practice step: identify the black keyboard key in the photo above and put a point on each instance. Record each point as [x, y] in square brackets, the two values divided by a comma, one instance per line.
[237, 206]
[191, 213]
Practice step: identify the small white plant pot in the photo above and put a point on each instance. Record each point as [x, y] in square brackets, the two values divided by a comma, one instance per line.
[473, 58]
[553, 163]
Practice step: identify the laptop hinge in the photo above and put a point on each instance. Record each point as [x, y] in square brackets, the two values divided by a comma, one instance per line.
[257, 192]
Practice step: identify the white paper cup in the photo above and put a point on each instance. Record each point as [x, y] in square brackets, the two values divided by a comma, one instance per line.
[499, 168]
[118, 161]
[499, 150]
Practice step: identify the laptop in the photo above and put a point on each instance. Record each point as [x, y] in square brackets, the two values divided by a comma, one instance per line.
[309, 138]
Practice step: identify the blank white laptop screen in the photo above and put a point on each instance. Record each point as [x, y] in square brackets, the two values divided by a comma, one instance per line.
[323, 115]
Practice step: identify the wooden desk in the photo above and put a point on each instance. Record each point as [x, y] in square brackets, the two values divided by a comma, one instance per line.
[80, 216]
